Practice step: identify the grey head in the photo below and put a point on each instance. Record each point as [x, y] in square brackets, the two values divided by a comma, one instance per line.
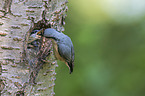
[58, 36]
[51, 33]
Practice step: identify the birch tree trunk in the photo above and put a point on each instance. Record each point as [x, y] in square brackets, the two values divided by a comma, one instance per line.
[23, 71]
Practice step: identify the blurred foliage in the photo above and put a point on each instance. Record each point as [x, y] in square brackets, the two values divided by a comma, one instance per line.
[109, 42]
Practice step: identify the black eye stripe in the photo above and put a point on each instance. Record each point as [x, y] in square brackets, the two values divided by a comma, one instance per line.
[53, 38]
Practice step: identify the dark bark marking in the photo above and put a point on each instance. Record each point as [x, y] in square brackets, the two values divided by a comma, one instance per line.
[7, 6]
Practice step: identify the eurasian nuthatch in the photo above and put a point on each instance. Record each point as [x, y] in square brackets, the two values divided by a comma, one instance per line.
[62, 46]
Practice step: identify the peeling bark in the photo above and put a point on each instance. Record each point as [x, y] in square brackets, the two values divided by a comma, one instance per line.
[23, 71]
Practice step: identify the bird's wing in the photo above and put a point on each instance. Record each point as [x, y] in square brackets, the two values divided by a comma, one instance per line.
[72, 53]
[65, 52]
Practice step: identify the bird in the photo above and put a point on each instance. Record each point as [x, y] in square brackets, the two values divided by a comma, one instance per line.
[34, 35]
[62, 46]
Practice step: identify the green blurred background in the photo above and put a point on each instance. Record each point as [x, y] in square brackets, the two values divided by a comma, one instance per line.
[109, 42]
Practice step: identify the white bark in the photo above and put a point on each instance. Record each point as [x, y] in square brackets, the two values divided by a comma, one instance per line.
[17, 19]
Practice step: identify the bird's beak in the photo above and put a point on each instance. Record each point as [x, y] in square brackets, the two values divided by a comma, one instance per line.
[40, 32]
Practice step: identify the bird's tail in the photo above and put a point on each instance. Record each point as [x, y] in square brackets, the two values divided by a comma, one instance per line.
[70, 65]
